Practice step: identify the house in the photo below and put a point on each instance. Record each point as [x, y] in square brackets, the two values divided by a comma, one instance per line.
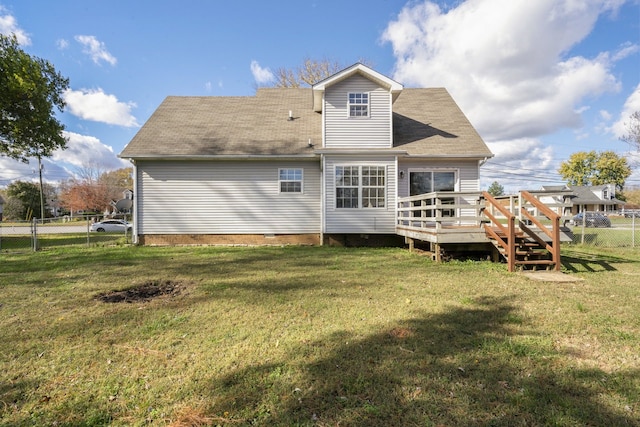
[558, 198]
[319, 165]
[596, 198]
[124, 205]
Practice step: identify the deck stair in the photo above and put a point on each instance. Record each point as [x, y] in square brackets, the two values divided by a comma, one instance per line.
[531, 245]
[525, 230]
[528, 254]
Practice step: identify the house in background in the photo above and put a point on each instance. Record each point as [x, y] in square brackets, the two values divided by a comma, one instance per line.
[595, 198]
[319, 165]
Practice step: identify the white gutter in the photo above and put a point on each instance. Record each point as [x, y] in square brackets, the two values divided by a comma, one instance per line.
[310, 156]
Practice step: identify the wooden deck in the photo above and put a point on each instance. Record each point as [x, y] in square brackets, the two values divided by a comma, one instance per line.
[521, 227]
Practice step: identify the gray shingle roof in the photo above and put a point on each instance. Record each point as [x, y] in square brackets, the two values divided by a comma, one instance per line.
[427, 122]
[584, 194]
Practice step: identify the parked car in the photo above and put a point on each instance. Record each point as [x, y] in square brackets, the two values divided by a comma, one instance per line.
[632, 213]
[592, 219]
[110, 225]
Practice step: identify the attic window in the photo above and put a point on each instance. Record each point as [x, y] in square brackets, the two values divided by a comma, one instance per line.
[359, 104]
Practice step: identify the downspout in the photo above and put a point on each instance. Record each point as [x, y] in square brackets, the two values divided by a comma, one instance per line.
[134, 236]
[323, 202]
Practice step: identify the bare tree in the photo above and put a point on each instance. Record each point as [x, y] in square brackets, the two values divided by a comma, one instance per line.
[90, 172]
[309, 73]
[633, 127]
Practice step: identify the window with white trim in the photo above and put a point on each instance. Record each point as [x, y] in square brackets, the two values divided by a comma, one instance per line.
[428, 181]
[358, 104]
[360, 187]
[290, 180]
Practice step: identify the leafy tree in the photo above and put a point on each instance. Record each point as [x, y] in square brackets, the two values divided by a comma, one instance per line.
[78, 195]
[23, 200]
[309, 73]
[592, 168]
[633, 196]
[633, 127]
[94, 189]
[13, 209]
[30, 91]
[117, 181]
[495, 189]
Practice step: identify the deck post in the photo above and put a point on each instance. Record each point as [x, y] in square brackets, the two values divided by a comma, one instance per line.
[436, 251]
[411, 244]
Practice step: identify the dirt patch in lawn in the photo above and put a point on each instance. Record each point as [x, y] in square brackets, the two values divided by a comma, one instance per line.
[143, 292]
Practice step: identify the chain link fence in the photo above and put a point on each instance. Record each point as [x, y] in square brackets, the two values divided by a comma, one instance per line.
[94, 230]
[611, 231]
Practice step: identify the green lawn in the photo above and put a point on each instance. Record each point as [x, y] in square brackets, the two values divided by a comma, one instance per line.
[315, 336]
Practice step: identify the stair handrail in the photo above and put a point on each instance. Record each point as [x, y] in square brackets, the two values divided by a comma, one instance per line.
[554, 233]
[509, 231]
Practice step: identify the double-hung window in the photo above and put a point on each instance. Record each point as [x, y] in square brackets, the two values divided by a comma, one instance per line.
[290, 180]
[360, 187]
[373, 186]
[359, 104]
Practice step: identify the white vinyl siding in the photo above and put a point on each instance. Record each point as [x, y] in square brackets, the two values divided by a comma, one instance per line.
[226, 197]
[343, 131]
[467, 172]
[361, 220]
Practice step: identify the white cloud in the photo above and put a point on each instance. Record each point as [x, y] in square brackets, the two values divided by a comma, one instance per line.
[9, 25]
[96, 49]
[261, 75]
[505, 62]
[13, 170]
[95, 105]
[625, 50]
[83, 150]
[605, 115]
[62, 44]
[529, 152]
[520, 163]
[631, 105]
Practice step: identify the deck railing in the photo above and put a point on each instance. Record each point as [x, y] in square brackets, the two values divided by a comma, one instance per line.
[440, 210]
[456, 217]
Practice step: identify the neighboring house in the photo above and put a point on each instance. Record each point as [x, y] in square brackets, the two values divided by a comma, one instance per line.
[559, 198]
[124, 205]
[306, 165]
[597, 198]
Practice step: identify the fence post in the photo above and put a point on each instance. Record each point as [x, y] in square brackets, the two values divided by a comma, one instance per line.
[633, 230]
[584, 221]
[34, 234]
[88, 225]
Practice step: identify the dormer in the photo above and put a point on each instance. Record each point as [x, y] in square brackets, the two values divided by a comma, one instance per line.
[356, 106]
[607, 192]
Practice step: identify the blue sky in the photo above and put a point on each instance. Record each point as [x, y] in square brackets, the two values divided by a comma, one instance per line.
[538, 79]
